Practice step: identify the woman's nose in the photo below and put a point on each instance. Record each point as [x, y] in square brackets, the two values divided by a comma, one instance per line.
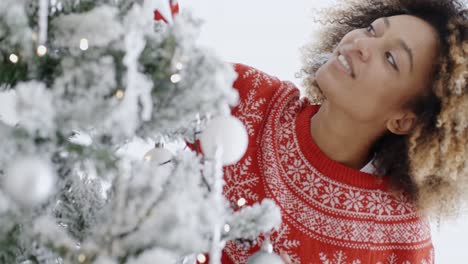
[363, 47]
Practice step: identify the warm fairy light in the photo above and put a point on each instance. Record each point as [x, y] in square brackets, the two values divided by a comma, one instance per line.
[148, 157]
[201, 258]
[175, 78]
[13, 58]
[119, 94]
[41, 50]
[84, 45]
[81, 258]
[241, 202]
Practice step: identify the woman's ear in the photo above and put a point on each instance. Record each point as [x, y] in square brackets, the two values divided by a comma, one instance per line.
[402, 124]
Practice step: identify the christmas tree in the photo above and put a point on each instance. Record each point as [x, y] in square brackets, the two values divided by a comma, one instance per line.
[88, 77]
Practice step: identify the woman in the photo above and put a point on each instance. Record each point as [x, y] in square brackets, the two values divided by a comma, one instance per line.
[354, 175]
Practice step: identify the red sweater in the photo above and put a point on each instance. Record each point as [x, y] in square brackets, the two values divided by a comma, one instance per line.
[331, 213]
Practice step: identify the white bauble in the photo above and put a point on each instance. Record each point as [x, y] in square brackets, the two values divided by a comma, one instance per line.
[263, 257]
[159, 159]
[229, 133]
[159, 156]
[29, 181]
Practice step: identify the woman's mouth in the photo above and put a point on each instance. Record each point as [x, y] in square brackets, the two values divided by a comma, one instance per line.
[345, 64]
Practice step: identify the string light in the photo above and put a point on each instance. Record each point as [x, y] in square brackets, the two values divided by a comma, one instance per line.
[41, 50]
[120, 94]
[227, 228]
[81, 258]
[13, 58]
[179, 66]
[84, 44]
[175, 78]
[241, 202]
[201, 258]
[148, 157]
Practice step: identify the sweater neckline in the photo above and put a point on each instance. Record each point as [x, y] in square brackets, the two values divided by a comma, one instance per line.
[325, 165]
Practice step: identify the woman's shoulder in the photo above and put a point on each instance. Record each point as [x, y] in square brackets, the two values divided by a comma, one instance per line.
[259, 92]
[256, 85]
[249, 78]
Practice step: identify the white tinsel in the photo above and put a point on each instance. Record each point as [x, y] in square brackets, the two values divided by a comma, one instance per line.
[182, 219]
[48, 230]
[81, 93]
[34, 108]
[99, 26]
[7, 109]
[138, 86]
[9, 147]
[84, 200]
[250, 221]
[13, 13]
[205, 85]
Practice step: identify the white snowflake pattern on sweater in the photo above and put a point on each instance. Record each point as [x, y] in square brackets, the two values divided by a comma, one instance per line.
[340, 257]
[325, 219]
[258, 77]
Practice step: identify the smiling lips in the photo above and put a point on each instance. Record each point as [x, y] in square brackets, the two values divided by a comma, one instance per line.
[346, 62]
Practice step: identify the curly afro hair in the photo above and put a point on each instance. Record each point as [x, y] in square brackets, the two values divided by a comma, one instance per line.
[429, 164]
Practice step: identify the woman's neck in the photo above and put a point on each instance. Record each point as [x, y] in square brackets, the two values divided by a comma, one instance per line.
[341, 138]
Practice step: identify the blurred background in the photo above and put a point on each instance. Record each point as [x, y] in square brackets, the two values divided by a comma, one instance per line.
[267, 35]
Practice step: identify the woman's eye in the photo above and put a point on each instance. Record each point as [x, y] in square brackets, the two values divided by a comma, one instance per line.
[371, 30]
[391, 60]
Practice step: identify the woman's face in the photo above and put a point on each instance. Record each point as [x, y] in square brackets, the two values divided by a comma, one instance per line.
[374, 71]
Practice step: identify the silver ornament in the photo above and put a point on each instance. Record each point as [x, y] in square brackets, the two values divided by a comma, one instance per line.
[227, 132]
[158, 155]
[265, 255]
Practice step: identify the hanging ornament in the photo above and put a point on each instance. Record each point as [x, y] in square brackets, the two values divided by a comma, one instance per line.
[265, 255]
[159, 159]
[228, 133]
[166, 10]
[29, 181]
[158, 155]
